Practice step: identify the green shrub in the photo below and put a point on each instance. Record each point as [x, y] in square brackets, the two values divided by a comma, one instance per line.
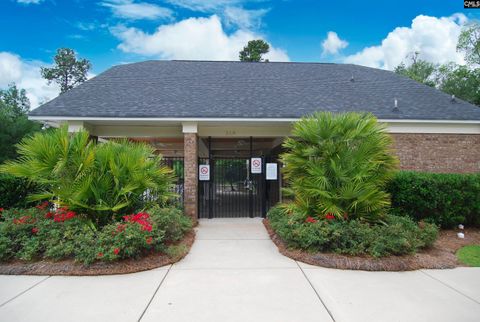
[102, 181]
[444, 199]
[36, 233]
[337, 164]
[395, 236]
[172, 221]
[13, 191]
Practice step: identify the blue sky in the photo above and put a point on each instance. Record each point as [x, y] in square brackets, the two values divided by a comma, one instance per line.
[109, 32]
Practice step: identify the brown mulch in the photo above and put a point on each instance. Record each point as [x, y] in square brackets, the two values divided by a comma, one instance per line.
[69, 267]
[440, 256]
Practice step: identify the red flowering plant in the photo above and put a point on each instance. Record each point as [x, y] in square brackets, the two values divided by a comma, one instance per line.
[132, 237]
[311, 220]
[37, 232]
[329, 216]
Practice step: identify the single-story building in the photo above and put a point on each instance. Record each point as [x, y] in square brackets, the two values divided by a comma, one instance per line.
[223, 114]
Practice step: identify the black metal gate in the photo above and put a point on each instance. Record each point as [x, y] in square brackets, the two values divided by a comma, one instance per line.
[233, 191]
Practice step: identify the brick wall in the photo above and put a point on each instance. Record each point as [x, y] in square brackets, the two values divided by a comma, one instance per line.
[438, 152]
[191, 174]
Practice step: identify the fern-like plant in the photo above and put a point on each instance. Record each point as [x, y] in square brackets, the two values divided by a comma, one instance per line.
[101, 181]
[338, 164]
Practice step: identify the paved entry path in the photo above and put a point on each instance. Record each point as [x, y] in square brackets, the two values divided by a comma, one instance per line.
[235, 273]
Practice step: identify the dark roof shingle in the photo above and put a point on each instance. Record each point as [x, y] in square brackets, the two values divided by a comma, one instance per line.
[203, 89]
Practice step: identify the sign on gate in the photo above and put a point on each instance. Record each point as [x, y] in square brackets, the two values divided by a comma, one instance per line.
[271, 171]
[204, 172]
[256, 165]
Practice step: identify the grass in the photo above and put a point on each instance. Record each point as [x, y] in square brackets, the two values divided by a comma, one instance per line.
[469, 255]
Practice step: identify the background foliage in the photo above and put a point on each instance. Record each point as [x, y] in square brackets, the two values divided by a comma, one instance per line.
[463, 81]
[444, 199]
[14, 124]
[13, 191]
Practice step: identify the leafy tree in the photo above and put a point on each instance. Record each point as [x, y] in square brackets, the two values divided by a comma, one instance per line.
[15, 99]
[101, 181]
[460, 81]
[419, 70]
[338, 165]
[469, 43]
[254, 51]
[68, 70]
[15, 125]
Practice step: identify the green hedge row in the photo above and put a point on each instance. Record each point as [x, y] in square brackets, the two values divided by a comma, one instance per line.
[13, 192]
[444, 199]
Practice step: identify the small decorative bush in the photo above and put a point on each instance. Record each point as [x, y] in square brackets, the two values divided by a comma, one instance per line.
[444, 199]
[37, 233]
[394, 236]
[339, 164]
[102, 181]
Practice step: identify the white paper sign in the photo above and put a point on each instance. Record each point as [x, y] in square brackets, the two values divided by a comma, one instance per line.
[204, 172]
[271, 171]
[256, 165]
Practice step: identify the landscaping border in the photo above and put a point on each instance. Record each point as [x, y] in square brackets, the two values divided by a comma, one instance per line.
[432, 258]
[70, 268]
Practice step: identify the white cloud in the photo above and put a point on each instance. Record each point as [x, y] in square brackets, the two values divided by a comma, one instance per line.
[193, 38]
[205, 5]
[434, 38]
[86, 26]
[128, 9]
[244, 19]
[333, 44]
[29, 1]
[26, 74]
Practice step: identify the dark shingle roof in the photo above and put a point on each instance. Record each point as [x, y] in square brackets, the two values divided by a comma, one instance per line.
[252, 90]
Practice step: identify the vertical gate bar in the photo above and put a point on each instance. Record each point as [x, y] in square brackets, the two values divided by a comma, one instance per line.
[263, 193]
[250, 191]
[210, 192]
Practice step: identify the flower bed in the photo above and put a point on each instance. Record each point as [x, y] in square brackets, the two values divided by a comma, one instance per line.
[326, 233]
[35, 234]
[440, 255]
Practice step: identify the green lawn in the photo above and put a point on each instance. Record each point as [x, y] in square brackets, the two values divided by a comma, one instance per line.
[469, 255]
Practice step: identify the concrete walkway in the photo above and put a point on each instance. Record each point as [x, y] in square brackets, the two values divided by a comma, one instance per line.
[235, 273]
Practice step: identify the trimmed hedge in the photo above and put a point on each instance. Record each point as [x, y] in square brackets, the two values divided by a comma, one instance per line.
[444, 199]
[13, 192]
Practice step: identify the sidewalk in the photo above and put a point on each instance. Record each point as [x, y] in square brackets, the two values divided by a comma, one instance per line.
[235, 273]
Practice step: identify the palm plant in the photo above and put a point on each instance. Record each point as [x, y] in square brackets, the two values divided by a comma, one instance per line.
[101, 181]
[339, 164]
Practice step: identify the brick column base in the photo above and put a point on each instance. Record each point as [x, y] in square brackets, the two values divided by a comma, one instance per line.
[190, 202]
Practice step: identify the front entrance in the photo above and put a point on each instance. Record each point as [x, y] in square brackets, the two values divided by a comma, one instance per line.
[232, 190]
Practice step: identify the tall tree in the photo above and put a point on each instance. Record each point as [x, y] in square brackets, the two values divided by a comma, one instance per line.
[15, 125]
[254, 51]
[469, 43]
[68, 71]
[460, 81]
[14, 100]
[418, 69]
